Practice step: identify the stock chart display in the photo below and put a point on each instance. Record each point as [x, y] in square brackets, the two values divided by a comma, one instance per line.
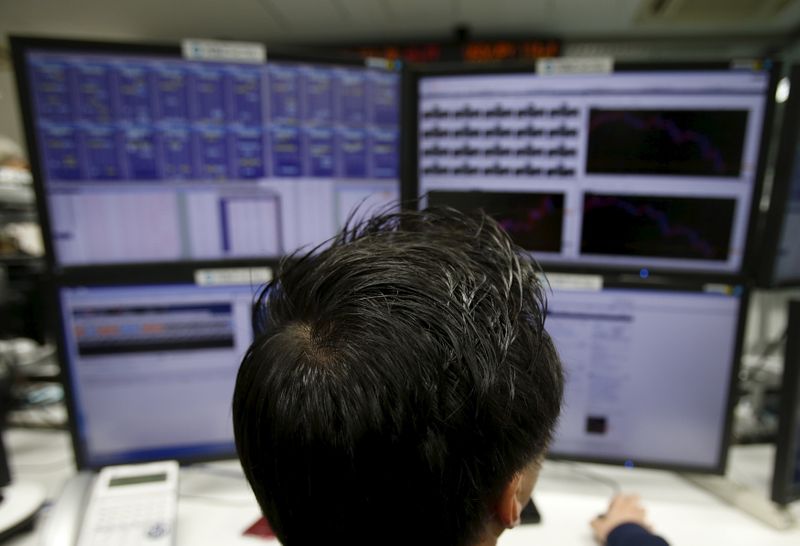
[666, 142]
[649, 169]
[533, 220]
[668, 227]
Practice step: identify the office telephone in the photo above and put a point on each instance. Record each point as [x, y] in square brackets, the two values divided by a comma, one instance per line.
[131, 504]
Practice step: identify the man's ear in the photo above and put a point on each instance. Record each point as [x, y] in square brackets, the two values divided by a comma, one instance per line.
[509, 505]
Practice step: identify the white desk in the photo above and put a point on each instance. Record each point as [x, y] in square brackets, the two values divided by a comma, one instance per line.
[216, 504]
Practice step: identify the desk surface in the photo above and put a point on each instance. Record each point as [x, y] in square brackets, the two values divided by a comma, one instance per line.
[216, 505]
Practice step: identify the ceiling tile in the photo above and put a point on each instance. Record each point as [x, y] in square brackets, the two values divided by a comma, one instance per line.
[150, 19]
[499, 17]
[349, 21]
[417, 11]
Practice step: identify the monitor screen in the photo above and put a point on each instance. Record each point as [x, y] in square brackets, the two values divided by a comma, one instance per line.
[153, 158]
[786, 475]
[152, 369]
[627, 170]
[648, 374]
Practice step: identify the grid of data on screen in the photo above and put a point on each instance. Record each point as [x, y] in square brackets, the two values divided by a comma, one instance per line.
[631, 169]
[648, 374]
[176, 347]
[160, 159]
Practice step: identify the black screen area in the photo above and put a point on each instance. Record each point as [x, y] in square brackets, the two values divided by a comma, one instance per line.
[666, 142]
[666, 227]
[533, 220]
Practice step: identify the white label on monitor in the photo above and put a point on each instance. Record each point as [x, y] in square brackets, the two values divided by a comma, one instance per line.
[233, 276]
[219, 51]
[725, 289]
[565, 281]
[574, 65]
[379, 62]
[747, 64]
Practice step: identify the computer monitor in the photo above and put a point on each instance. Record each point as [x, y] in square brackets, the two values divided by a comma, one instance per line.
[650, 372]
[780, 258]
[786, 476]
[655, 168]
[140, 155]
[150, 368]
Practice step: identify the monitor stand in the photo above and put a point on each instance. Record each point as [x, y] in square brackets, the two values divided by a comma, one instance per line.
[18, 507]
[530, 514]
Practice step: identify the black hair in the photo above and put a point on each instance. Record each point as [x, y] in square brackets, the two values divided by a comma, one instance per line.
[399, 378]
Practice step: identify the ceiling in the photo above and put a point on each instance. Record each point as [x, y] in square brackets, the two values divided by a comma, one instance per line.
[367, 21]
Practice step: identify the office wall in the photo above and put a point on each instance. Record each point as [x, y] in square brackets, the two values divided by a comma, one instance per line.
[10, 123]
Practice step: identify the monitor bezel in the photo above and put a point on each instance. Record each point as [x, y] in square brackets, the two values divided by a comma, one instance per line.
[5, 473]
[786, 161]
[21, 45]
[178, 275]
[784, 489]
[410, 189]
[671, 284]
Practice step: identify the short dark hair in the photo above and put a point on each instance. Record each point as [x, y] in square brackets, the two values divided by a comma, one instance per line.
[399, 379]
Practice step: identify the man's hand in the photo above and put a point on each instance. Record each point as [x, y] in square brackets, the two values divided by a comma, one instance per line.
[623, 509]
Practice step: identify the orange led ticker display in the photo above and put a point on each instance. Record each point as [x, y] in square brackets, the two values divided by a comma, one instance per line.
[471, 52]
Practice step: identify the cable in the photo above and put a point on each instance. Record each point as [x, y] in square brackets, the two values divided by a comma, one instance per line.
[36, 418]
[615, 487]
[220, 500]
[221, 472]
[49, 466]
[769, 349]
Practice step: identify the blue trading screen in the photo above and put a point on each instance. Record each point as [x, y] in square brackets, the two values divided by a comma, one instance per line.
[158, 159]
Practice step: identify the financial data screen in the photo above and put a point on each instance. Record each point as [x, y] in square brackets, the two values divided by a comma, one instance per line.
[153, 368]
[648, 374]
[629, 169]
[149, 159]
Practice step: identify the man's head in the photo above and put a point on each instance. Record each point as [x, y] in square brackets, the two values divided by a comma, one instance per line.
[401, 387]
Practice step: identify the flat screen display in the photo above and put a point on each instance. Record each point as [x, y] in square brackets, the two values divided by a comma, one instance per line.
[648, 374]
[626, 170]
[151, 158]
[152, 369]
